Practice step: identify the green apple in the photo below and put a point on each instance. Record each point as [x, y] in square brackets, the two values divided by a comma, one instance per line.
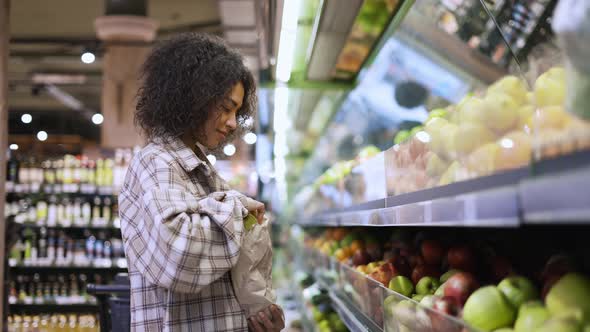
[249, 222]
[501, 111]
[402, 285]
[571, 294]
[487, 309]
[405, 312]
[440, 291]
[531, 315]
[518, 290]
[427, 285]
[418, 297]
[560, 325]
[447, 275]
[504, 329]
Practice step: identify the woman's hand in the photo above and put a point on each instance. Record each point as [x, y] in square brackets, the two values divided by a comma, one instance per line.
[254, 207]
[269, 320]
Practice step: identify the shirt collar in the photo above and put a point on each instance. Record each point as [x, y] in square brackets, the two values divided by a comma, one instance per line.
[186, 156]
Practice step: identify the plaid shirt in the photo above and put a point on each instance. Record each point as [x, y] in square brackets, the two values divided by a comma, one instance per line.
[182, 229]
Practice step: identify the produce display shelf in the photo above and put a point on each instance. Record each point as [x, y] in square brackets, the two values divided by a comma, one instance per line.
[354, 320]
[553, 191]
[53, 308]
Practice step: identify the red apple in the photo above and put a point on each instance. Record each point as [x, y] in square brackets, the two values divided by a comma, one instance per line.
[360, 257]
[383, 274]
[501, 268]
[390, 256]
[442, 307]
[548, 284]
[432, 252]
[402, 267]
[415, 260]
[461, 258]
[374, 251]
[460, 286]
[557, 266]
[421, 271]
[447, 305]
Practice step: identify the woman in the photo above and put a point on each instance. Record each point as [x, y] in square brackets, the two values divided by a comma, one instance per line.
[181, 224]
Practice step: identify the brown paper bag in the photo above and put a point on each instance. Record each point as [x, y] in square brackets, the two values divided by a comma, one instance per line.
[252, 275]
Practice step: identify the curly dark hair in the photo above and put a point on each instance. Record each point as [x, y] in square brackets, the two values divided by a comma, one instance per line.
[185, 78]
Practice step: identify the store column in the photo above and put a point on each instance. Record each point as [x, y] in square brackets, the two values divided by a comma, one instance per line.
[127, 40]
[4, 37]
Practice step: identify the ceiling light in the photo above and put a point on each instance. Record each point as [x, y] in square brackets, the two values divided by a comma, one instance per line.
[212, 159]
[13, 147]
[97, 118]
[229, 150]
[26, 118]
[42, 136]
[88, 57]
[250, 138]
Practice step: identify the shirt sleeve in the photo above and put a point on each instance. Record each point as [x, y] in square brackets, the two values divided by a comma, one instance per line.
[183, 242]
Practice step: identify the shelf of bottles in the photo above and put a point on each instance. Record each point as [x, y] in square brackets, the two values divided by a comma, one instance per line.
[69, 236]
[55, 322]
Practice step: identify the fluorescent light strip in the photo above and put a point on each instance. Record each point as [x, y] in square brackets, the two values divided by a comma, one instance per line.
[287, 39]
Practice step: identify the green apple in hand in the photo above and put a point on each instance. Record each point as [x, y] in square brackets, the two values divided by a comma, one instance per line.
[518, 290]
[570, 296]
[427, 285]
[531, 315]
[447, 275]
[402, 285]
[487, 309]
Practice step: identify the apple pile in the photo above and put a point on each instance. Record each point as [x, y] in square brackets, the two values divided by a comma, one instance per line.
[493, 131]
[430, 281]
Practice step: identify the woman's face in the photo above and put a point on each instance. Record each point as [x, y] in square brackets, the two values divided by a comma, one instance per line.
[223, 122]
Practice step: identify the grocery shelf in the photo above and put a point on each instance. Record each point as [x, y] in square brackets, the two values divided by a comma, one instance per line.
[354, 320]
[551, 191]
[74, 228]
[560, 198]
[53, 308]
[68, 268]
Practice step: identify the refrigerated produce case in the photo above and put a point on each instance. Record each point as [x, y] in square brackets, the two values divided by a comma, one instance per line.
[492, 164]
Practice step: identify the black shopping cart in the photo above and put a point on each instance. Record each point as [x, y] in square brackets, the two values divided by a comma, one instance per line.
[113, 302]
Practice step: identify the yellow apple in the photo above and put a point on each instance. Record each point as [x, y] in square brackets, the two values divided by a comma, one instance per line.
[515, 150]
[550, 88]
[435, 166]
[470, 136]
[511, 85]
[449, 175]
[500, 112]
[550, 117]
[434, 128]
[471, 110]
[482, 161]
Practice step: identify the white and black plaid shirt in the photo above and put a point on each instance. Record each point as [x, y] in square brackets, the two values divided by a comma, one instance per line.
[182, 228]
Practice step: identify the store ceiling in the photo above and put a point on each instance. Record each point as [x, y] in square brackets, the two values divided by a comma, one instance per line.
[48, 37]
